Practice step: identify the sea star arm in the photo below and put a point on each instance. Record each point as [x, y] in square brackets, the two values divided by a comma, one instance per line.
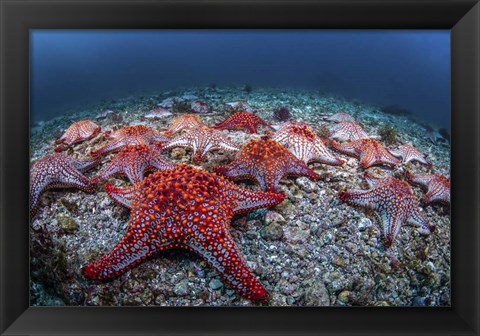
[356, 197]
[84, 164]
[301, 169]
[159, 137]
[109, 147]
[222, 255]
[123, 196]
[348, 148]
[112, 168]
[390, 223]
[247, 200]
[418, 219]
[134, 247]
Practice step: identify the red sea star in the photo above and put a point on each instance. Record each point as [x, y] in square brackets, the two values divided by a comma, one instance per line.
[58, 171]
[78, 131]
[347, 130]
[133, 161]
[201, 140]
[341, 116]
[393, 203]
[299, 138]
[187, 121]
[409, 153]
[369, 151]
[242, 120]
[131, 135]
[267, 162]
[438, 187]
[186, 208]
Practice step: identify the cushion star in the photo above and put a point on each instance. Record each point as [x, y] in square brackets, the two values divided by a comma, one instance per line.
[340, 117]
[393, 203]
[369, 151]
[300, 139]
[242, 120]
[184, 122]
[267, 162]
[347, 130]
[201, 140]
[133, 161]
[409, 153]
[77, 132]
[187, 208]
[131, 135]
[438, 187]
[58, 171]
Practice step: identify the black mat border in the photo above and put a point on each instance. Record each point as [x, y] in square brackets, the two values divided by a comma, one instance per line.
[18, 16]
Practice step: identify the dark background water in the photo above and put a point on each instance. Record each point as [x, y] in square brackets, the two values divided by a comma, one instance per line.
[408, 68]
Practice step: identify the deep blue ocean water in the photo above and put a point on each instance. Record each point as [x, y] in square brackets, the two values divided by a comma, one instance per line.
[407, 68]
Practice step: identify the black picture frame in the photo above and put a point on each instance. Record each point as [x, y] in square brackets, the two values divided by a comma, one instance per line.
[17, 17]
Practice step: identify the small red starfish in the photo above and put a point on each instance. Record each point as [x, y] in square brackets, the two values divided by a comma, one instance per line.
[185, 208]
[267, 162]
[201, 140]
[369, 151]
[242, 120]
[133, 161]
[58, 171]
[300, 139]
[184, 122]
[77, 132]
[347, 130]
[340, 117]
[393, 203]
[409, 153]
[438, 187]
[131, 135]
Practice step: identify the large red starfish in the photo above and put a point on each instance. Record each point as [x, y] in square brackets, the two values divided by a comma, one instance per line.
[438, 187]
[242, 120]
[133, 161]
[201, 140]
[131, 135]
[369, 151]
[347, 130]
[184, 122]
[393, 203]
[58, 171]
[186, 208]
[409, 153]
[78, 131]
[340, 117]
[299, 138]
[267, 162]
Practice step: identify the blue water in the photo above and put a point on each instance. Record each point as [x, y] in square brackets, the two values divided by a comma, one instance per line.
[408, 68]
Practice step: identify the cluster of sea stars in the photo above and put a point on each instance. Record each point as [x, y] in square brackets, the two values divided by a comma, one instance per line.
[180, 206]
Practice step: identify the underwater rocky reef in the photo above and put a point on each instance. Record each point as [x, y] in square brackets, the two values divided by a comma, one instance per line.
[235, 196]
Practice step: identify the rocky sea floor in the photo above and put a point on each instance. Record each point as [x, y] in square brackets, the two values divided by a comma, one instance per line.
[311, 250]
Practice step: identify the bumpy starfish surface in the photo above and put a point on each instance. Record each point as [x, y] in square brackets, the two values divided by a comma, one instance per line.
[267, 162]
[157, 113]
[184, 122]
[186, 208]
[131, 135]
[77, 132]
[340, 116]
[347, 130]
[369, 151]
[438, 187]
[300, 139]
[201, 140]
[58, 171]
[133, 161]
[242, 120]
[393, 203]
[409, 153]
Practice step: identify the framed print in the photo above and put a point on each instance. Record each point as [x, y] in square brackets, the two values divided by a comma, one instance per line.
[249, 168]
